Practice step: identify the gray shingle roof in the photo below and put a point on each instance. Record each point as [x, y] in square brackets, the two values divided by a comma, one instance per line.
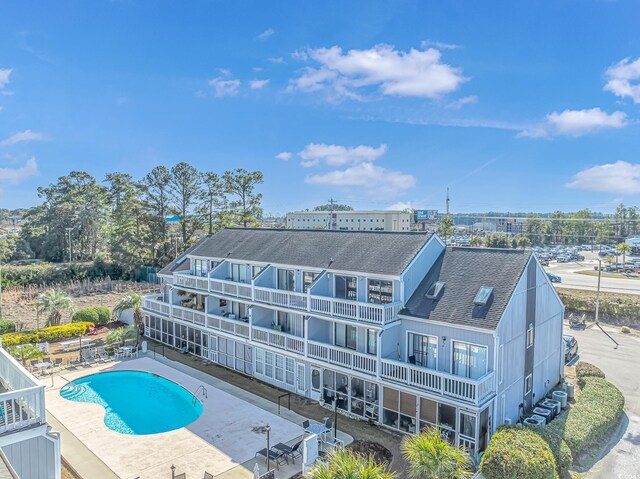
[177, 264]
[387, 253]
[465, 271]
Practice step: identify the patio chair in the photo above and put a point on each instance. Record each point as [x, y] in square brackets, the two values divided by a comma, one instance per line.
[290, 451]
[134, 352]
[101, 353]
[33, 363]
[276, 456]
[57, 363]
[305, 424]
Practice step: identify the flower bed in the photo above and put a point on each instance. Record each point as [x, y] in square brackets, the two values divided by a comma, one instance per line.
[51, 333]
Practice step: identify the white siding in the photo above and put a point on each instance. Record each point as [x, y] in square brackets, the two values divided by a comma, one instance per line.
[34, 458]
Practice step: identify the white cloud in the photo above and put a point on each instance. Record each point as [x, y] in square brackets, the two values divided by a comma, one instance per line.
[337, 155]
[416, 73]
[467, 100]
[5, 73]
[258, 84]
[26, 135]
[366, 175]
[403, 205]
[619, 177]
[576, 123]
[284, 156]
[266, 34]
[439, 45]
[276, 60]
[15, 175]
[624, 79]
[224, 85]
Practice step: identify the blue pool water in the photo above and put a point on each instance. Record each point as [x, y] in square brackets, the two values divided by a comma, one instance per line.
[136, 402]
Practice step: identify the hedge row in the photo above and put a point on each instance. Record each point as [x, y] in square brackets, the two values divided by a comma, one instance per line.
[559, 448]
[590, 421]
[611, 304]
[100, 316]
[7, 326]
[515, 452]
[585, 370]
[50, 333]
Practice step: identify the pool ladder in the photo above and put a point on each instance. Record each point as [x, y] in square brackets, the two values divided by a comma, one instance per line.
[204, 393]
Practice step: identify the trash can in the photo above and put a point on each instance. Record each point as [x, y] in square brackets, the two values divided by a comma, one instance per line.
[570, 390]
[560, 396]
[144, 347]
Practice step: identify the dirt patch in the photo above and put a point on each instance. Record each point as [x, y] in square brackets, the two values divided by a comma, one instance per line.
[380, 453]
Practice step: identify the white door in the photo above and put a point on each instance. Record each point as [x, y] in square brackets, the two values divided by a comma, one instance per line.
[213, 348]
[300, 380]
[316, 384]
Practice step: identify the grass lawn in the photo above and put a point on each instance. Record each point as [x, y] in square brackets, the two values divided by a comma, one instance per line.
[607, 275]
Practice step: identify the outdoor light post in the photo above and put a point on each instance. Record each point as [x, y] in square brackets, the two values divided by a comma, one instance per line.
[268, 429]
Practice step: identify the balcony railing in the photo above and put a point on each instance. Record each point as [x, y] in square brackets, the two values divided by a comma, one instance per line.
[189, 315]
[356, 310]
[155, 304]
[346, 358]
[191, 281]
[288, 299]
[471, 390]
[23, 404]
[228, 325]
[278, 339]
[231, 288]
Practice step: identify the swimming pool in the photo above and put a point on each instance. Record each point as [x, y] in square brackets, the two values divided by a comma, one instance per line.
[136, 402]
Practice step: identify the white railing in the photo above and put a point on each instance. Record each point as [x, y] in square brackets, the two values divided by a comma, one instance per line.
[278, 297]
[231, 326]
[231, 288]
[342, 357]
[472, 390]
[153, 303]
[189, 315]
[278, 339]
[359, 311]
[191, 281]
[23, 404]
[467, 443]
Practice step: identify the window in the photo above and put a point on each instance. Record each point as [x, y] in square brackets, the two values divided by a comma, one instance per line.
[483, 296]
[288, 323]
[447, 421]
[347, 287]
[290, 372]
[469, 361]
[286, 279]
[308, 278]
[428, 413]
[372, 341]
[345, 336]
[435, 290]
[364, 398]
[423, 350]
[256, 270]
[399, 410]
[528, 384]
[239, 273]
[380, 291]
[240, 310]
[315, 379]
[530, 334]
[501, 365]
[468, 425]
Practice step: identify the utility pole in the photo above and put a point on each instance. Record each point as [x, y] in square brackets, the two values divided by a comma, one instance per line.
[70, 251]
[598, 305]
[447, 201]
[331, 203]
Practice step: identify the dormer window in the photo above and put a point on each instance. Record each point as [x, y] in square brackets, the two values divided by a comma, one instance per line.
[435, 290]
[484, 293]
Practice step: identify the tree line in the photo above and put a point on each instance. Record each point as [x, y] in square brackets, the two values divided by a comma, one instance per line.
[133, 222]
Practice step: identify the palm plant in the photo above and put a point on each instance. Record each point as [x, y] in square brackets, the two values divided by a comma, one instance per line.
[26, 352]
[432, 457]
[623, 248]
[54, 303]
[133, 301]
[120, 335]
[345, 464]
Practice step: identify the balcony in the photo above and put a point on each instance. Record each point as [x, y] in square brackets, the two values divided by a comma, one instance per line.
[228, 325]
[474, 391]
[230, 288]
[356, 310]
[189, 315]
[191, 281]
[22, 402]
[346, 358]
[277, 297]
[278, 339]
[156, 305]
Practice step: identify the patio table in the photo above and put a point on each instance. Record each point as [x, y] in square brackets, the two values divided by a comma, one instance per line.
[42, 366]
[319, 429]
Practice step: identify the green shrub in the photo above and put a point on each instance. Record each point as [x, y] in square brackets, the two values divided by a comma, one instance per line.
[87, 315]
[516, 452]
[7, 326]
[559, 448]
[590, 421]
[104, 315]
[585, 370]
[50, 333]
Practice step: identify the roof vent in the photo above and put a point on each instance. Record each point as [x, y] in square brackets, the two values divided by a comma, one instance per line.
[435, 289]
[484, 293]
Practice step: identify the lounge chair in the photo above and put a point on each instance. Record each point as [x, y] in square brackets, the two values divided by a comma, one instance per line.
[276, 456]
[87, 356]
[57, 363]
[101, 353]
[290, 451]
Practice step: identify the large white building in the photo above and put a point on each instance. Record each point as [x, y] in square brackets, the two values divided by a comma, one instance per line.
[376, 220]
[28, 447]
[389, 327]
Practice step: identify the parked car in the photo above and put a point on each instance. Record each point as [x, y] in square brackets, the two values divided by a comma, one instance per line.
[554, 278]
[570, 348]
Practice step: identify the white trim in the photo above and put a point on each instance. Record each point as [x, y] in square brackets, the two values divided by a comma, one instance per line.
[489, 332]
[527, 391]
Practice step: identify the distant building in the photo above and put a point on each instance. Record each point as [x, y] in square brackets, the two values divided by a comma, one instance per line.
[374, 220]
[515, 226]
[634, 243]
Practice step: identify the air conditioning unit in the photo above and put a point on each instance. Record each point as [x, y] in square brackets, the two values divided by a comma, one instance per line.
[507, 420]
[535, 420]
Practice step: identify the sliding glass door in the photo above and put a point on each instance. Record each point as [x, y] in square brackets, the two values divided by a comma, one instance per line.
[469, 361]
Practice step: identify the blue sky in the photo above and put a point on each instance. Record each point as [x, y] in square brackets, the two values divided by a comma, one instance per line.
[516, 106]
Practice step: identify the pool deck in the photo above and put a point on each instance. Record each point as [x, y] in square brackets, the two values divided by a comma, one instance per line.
[222, 441]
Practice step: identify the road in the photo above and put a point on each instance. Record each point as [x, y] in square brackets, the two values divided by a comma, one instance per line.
[621, 367]
[570, 279]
